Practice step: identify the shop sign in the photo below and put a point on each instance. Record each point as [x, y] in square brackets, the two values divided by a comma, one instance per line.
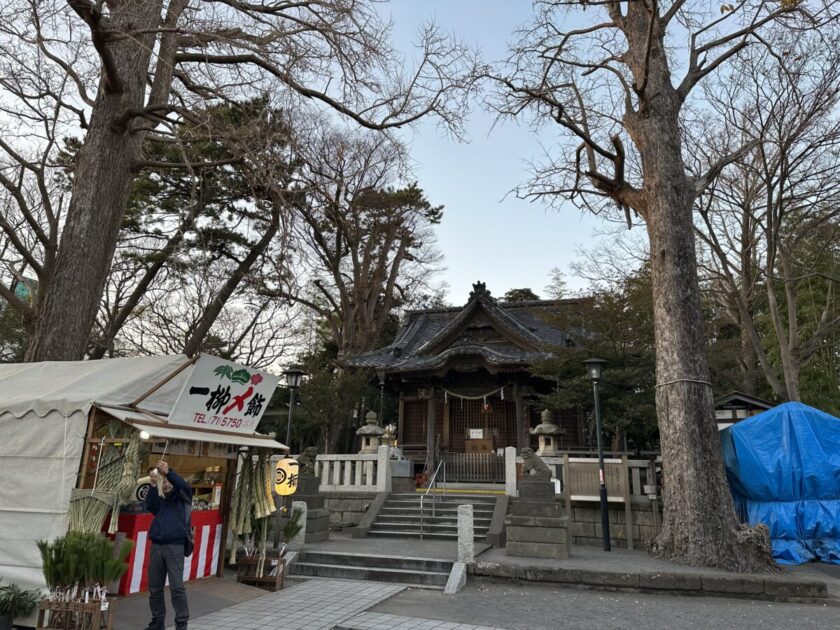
[286, 477]
[223, 396]
[192, 448]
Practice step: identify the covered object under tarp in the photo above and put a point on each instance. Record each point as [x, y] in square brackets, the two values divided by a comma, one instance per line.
[783, 467]
[44, 416]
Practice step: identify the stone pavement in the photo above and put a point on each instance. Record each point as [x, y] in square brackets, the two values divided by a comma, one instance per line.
[312, 605]
[380, 621]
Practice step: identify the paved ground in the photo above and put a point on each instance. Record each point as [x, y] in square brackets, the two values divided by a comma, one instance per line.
[529, 606]
[205, 596]
[312, 605]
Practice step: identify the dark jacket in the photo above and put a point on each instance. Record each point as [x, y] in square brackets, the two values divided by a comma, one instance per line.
[170, 525]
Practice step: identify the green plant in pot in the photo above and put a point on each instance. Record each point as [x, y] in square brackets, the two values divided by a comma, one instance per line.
[16, 602]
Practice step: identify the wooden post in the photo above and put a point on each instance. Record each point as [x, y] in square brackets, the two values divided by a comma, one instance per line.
[430, 432]
[445, 438]
[628, 508]
[401, 421]
[80, 477]
[520, 422]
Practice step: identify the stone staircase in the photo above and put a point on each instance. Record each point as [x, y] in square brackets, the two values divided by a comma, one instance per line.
[424, 572]
[399, 517]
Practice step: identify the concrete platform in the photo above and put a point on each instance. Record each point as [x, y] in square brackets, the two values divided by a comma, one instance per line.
[620, 569]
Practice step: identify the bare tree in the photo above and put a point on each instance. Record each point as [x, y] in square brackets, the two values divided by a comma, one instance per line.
[608, 84]
[365, 240]
[771, 221]
[249, 329]
[138, 67]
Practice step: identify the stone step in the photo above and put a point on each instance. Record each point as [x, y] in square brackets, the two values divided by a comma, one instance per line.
[390, 533]
[403, 576]
[427, 505]
[453, 498]
[445, 518]
[342, 558]
[428, 527]
[438, 510]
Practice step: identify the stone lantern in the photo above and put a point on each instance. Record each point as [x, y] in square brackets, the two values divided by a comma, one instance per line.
[549, 434]
[370, 433]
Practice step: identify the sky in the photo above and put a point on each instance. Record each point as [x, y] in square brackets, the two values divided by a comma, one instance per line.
[486, 233]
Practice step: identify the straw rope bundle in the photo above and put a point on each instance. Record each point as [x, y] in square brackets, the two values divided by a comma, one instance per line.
[252, 498]
[113, 485]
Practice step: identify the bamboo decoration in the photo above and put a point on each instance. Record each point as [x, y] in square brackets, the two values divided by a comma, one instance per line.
[252, 500]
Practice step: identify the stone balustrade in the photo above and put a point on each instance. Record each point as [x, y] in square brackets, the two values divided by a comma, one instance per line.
[355, 472]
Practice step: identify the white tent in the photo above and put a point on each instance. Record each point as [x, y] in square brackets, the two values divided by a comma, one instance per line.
[44, 410]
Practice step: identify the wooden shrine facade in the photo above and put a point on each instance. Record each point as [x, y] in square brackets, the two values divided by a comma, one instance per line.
[464, 379]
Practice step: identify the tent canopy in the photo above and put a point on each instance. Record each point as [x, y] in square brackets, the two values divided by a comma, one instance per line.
[44, 410]
[69, 386]
[783, 467]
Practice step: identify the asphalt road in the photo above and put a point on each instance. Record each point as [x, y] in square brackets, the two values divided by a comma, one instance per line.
[524, 606]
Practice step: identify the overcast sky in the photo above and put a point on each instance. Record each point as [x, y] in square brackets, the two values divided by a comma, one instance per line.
[487, 234]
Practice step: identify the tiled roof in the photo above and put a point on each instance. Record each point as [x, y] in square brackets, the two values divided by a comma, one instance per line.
[419, 344]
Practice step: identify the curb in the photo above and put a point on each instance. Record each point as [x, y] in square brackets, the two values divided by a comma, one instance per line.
[764, 587]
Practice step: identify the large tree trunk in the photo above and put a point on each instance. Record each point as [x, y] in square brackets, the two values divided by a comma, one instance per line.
[102, 180]
[700, 526]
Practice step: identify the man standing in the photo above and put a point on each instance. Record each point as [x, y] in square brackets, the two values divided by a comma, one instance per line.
[170, 500]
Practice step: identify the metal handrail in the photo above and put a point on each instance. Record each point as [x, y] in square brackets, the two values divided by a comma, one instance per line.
[432, 484]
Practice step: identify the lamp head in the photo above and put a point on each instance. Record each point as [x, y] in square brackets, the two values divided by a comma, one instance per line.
[294, 376]
[145, 435]
[594, 367]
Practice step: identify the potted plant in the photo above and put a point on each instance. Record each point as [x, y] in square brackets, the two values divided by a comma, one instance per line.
[16, 602]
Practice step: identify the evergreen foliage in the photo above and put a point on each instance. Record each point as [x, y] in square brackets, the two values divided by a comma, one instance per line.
[86, 559]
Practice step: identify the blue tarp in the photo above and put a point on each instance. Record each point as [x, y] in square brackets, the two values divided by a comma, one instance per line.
[783, 467]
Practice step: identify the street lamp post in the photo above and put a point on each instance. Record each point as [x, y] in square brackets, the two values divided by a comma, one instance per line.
[294, 376]
[594, 366]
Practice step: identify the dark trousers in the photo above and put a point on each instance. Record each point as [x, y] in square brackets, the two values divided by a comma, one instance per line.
[167, 560]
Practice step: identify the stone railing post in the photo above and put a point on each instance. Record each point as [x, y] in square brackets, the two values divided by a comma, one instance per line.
[466, 548]
[510, 471]
[383, 468]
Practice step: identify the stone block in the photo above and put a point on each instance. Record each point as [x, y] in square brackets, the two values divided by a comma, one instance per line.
[534, 489]
[617, 532]
[535, 508]
[609, 578]
[296, 543]
[537, 550]
[670, 581]
[582, 529]
[537, 521]
[466, 535]
[585, 515]
[525, 572]
[401, 485]
[457, 579]
[555, 535]
[307, 485]
[739, 584]
[787, 587]
[644, 517]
